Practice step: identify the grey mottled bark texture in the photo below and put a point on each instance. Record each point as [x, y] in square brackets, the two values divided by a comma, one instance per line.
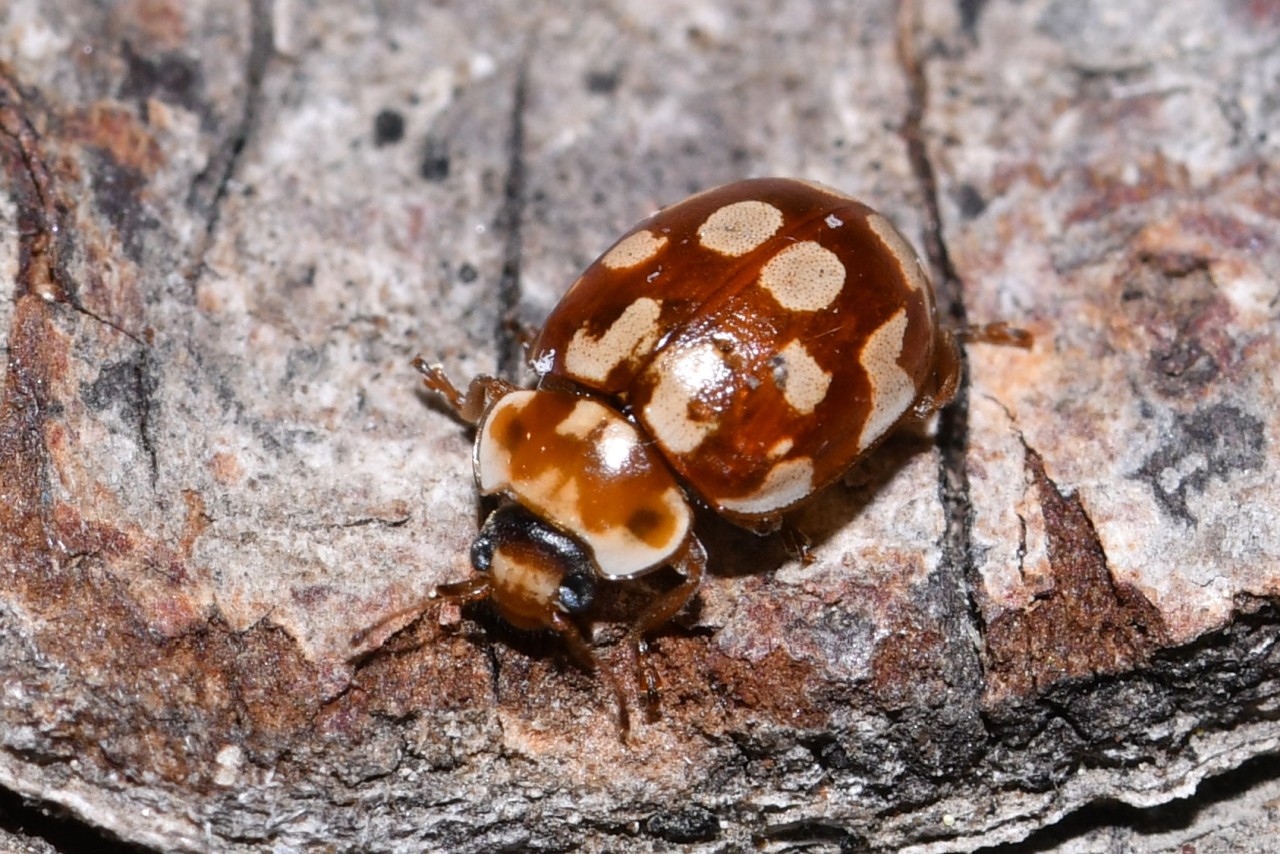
[226, 228]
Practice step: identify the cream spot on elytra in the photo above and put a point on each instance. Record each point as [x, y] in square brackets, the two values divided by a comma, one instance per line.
[787, 482]
[682, 375]
[802, 380]
[633, 250]
[900, 249]
[803, 277]
[892, 390]
[736, 229]
[632, 334]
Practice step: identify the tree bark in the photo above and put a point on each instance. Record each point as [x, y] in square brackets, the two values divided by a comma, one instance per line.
[228, 228]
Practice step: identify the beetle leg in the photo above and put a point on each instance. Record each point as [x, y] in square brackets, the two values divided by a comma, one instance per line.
[581, 650]
[470, 406]
[797, 543]
[692, 565]
[994, 333]
[469, 590]
[942, 386]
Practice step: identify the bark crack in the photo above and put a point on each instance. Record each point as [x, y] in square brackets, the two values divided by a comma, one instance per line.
[953, 421]
[510, 220]
[212, 184]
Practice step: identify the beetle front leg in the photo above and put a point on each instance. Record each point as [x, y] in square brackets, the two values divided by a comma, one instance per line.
[482, 391]
[581, 651]
[692, 565]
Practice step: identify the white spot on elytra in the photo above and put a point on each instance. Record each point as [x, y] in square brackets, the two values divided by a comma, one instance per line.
[633, 333]
[900, 249]
[803, 277]
[803, 382]
[833, 221]
[780, 448]
[633, 250]
[736, 229]
[682, 375]
[786, 483]
[892, 390]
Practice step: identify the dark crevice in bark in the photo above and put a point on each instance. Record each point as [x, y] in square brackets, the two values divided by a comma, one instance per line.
[953, 421]
[510, 223]
[48, 824]
[211, 186]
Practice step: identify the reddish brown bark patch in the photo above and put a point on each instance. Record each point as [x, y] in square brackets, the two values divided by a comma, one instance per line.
[1086, 625]
[777, 688]
[908, 655]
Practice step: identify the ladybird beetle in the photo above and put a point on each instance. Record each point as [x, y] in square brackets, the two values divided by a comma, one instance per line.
[740, 350]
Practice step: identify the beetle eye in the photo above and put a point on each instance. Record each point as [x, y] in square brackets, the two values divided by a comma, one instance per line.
[577, 591]
[482, 550]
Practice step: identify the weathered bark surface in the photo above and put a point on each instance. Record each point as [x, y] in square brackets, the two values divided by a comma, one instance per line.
[227, 228]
